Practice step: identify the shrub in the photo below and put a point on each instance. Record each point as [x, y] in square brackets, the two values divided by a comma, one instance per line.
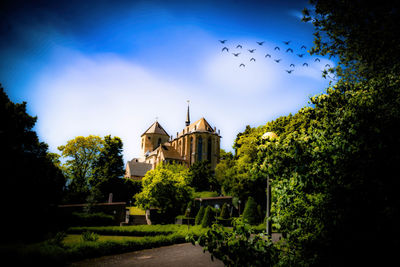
[238, 247]
[90, 219]
[199, 216]
[250, 213]
[58, 239]
[89, 236]
[224, 212]
[209, 216]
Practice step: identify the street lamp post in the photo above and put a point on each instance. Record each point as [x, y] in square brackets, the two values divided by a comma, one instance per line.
[268, 222]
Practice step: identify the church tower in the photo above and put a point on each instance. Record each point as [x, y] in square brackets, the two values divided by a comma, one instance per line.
[153, 137]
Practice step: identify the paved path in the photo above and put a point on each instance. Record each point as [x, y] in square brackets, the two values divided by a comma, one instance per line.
[176, 255]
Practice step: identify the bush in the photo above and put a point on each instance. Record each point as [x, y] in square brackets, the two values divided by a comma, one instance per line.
[89, 236]
[238, 247]
[224, 212]
[209, 217]
[90, 219]
[199, 216]
[250, 213]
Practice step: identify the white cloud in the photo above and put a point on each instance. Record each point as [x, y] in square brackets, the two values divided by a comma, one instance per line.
[102, 95]
[105, 94]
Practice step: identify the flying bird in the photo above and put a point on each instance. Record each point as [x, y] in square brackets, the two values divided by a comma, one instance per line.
[253, 59]
[225, 48]
[239, 46]
[305, 64]
[222, 41]
[236, 54]
[317, 59]
[277, 48]
[327, 65]
[292, 65]
[242, 65]
[288, 42]
[303, 46]
[300, 55]
[267, 55]
[251, 50]
[260, 43]
[289, 71]
[277, 60]
[289, 50]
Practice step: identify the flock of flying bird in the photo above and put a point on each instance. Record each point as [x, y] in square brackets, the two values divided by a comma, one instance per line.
[277, 48]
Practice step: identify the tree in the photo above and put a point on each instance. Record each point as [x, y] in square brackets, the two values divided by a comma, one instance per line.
[82, 153]
[365, 36]
[165, 188]
[250, 213]
[200, 215]
[208, 218]
[224, 212]
[29, 175]
[108, 170]
[201, 177]
[225, 171]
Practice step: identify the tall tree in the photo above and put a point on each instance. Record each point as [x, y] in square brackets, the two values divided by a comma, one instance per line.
[29, 175]
[109, 169]
[82, 153]
[364, 35]
[201, 177]
[165, 188]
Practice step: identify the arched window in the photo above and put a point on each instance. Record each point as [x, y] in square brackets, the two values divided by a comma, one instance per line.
[200, 149]
[190, 150]
[209, 149]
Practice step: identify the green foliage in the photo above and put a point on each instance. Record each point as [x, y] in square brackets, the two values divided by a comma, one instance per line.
[331, 173]
[364, 36]
[57, 239]
[137, 230]
[165, 188]
[108, 170]
[208, 218]
[200, 215]
[89, 236]
[82, 154]
[224, 212]
[29, 174]
[201, 177]
[250, 213]
[204, 194]
[234, 173]
[89, 219]
[239, 247]
[46, 253]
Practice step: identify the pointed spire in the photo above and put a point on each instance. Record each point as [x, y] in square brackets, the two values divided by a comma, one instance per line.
[187, 115]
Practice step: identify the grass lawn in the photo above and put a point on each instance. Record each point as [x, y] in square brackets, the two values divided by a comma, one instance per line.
[205, 194]
[75, 239]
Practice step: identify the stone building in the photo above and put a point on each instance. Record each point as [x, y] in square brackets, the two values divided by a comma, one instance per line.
[198, 141]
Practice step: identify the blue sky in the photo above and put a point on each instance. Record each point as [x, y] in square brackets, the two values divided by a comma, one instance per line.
[111, 67]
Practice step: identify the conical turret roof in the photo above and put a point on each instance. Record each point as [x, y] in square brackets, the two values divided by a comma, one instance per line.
[155, 128]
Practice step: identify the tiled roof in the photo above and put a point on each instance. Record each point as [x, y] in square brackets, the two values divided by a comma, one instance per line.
[138, 168]
[200, 125]
[156, 128]
[170, 152]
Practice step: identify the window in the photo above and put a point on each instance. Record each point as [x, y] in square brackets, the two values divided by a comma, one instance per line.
[159, 142]
[200, 149]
